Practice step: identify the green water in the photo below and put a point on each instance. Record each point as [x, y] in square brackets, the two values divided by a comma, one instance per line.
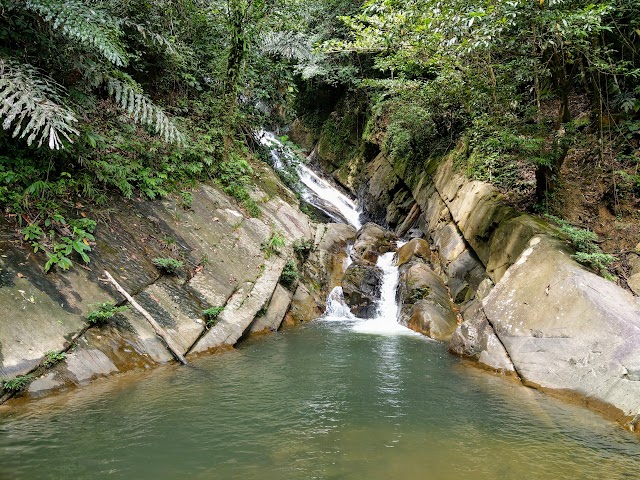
[317, 402]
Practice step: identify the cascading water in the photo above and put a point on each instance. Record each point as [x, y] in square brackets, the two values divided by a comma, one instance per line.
[318, 191]
[386, 319]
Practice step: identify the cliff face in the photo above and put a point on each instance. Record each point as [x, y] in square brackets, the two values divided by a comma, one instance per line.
[225, 265]
[525, 306]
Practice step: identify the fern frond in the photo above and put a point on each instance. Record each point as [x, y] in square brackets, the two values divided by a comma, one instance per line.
[89, 25]
[153, 37]
[290, 45]
[32, 105]
[142, 110]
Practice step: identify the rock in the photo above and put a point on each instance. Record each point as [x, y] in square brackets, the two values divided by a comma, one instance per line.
[464, 275]
[371, 241]
[567, 329]
[303, 307]
[361, 288]
[426, 307]
[634, 283]
[475, 339]
[326, 264]
[271, 319]
[241, 309]
[414, 249]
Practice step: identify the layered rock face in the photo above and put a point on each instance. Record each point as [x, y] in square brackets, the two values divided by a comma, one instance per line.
[225, 266]
[499, 285]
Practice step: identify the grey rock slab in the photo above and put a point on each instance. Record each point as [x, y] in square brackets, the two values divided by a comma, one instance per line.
[241, 309]
[36, 320]
[278, 305]
[86, 364]
[567, 329]
[474, 338]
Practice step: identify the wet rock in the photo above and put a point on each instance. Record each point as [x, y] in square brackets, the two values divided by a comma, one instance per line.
[414, 249]
[464, 275]
[475, 339]
[426, 306]
[241, 309]
[372, 241]
[304, 307]
[361, 288]
[270, 320]
[567, 329]
[327, 263]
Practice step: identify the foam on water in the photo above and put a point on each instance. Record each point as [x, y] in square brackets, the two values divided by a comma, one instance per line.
[319, 192]
[386, 319]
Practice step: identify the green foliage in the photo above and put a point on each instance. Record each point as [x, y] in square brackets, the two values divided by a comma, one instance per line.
[289, 274]
[52, 358]
[588, 252]
[302, 247]
[418, 294]
[33, 105]
[168, 265]
[17, 384]
[63, 239]
[104, 312]
[211, 315]
[273, 245]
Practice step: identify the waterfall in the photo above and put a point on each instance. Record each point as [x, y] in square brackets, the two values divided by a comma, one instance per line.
[322, 194]
[386, 319]
[318, 192]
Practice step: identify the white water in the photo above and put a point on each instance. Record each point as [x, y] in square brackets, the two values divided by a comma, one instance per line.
[330, 200]
[386, 319]
[319, 192]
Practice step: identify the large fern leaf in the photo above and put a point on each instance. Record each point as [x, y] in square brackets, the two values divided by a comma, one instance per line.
[129, 97]
[87, 24]
[32, 106]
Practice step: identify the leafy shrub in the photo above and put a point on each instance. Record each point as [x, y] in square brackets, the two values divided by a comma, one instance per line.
[587, 250]
[104, 312]
[273, 245]
[419, 294]
[52, 358]
[289, 273]
[168, 265]
[211, 315]
[17, 384]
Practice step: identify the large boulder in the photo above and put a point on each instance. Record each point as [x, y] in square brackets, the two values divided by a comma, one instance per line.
[361, 288]
[327, 260]
[416, 248]
[569, 330]
[426, 307]
[372, 241]
[476, 339]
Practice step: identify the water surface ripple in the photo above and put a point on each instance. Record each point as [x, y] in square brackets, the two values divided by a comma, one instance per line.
[323, 402]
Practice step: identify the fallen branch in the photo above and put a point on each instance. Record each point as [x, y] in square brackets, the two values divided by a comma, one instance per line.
[156, 327]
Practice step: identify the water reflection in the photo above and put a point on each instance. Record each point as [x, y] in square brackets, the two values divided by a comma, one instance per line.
[319, 402]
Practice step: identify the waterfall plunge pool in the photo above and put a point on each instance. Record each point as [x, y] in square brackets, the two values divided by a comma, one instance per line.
[319, 401]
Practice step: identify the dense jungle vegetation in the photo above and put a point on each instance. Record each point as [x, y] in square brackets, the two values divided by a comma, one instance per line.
[143, 99]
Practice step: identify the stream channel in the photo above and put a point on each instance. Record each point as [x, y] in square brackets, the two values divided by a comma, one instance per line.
[338, 398]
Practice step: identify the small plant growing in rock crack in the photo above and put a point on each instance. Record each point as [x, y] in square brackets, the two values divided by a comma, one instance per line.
[168, 265]
[273, 245]
[302, 247]
[104, 312]
[52, 358]
[587, 250]
[419, 294]
[289, 273]
[16, 384]
[211, 315]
